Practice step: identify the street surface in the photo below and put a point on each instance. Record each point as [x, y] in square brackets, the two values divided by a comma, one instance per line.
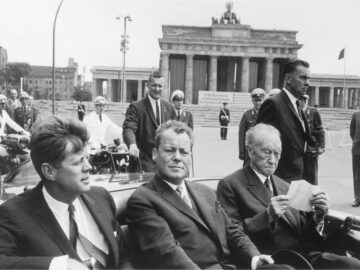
[217, 158]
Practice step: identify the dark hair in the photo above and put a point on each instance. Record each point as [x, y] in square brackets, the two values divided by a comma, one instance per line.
[292, 64]
[50, 137]
[177, 126]
[155, 74]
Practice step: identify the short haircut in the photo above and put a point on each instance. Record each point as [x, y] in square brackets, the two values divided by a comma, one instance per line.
[254, 132]
[155, 74]
[50, 137]
[292, 64]
[177, 126]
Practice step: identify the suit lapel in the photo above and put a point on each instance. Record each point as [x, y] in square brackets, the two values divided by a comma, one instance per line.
[103, 224]
[149, 109]
[164, 111]
[47, 221]
[170, 195]
[292, 109]
[256, 187]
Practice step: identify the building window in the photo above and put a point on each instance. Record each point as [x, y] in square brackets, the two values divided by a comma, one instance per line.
[282, 50]
[274, 50]
[267, 49]
[291, 51]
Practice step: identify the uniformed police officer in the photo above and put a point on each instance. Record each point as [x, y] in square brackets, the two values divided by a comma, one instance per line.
[25, 115]
[318, 133]
[177, 99]
[248, 120]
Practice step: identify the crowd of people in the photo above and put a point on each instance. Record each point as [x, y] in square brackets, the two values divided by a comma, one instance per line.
[173, 223]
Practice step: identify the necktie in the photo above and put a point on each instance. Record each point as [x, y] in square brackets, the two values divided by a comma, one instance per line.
[182, 193]
[178, 115]
[93, 251]
[298, 109]
[267, 185]
[157, 113]
[100, 117]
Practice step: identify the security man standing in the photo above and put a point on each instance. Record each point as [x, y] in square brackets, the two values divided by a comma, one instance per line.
[248, 120]
[317, 132]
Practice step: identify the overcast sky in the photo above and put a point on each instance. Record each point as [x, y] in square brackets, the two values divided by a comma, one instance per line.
[87, 30]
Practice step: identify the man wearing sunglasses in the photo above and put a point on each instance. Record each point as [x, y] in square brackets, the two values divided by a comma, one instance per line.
[25, 115]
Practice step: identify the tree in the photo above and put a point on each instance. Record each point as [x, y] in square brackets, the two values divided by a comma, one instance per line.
[13, 72]
[81, 95]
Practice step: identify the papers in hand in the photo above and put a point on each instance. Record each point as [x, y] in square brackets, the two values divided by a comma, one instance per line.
[300, 193]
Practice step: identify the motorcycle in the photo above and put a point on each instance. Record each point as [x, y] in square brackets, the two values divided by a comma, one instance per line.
[16, 147]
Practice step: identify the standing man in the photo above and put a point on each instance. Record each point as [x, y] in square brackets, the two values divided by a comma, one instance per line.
[283, 112]
[142, 119]
[257, 198]
[100, 126]
[177, 224]
[25, 115]
[64, 222]
[12, 103]
[80, 111]
[355, 151]
[177, 98]
[248, 120]
[317, 132]
[224, 119]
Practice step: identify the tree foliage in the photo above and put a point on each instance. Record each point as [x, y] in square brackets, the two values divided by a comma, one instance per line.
[13, 72]
[81, 95]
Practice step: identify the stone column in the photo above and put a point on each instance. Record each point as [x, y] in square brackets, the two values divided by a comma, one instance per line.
[165, 93]
[139, 90]
[245, 75]
[109, 90]
[124, 92]
[94, 87]
[346, 97]
[269, 74]
[189, 78]
[316, 101]
[213, 73]
[331, 97]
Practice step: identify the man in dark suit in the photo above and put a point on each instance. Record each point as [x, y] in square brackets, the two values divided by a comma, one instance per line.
[224, 119]
[177, 98]
[257, 198]
[142, 118]
[63, 223]
[25, 115]
[283, 112]
[317, 132]
[177, 224]
[248, 120]
[355, 151]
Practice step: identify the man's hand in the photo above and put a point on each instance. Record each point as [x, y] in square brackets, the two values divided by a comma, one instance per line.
[277, 206]
[75, 265]
[134, 150]
[261, 260]
[320, 202]
[320, 150]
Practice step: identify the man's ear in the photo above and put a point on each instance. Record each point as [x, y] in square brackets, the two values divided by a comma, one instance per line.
[154, 153]
[248, 149]
[49, 171]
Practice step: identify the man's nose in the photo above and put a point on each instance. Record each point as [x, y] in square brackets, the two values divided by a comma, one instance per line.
[87, 165]
[177, 155]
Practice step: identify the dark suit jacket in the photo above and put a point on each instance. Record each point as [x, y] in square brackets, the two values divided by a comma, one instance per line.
[355, 133]
[168, 234]
[279, 112]
[247, 121]
[316, 128]
[245, 199]
[30, 235]
[140, 125]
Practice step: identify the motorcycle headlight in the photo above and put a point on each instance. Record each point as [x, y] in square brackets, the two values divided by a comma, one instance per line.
[24, 142]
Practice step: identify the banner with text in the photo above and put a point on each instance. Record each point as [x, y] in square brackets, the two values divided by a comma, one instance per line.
[212, 98]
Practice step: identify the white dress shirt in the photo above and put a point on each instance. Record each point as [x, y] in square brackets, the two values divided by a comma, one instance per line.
[153, 106]
[263, 179]
[293, 102]
[85, 223]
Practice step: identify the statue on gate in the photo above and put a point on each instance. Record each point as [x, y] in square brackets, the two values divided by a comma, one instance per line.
[228, 17]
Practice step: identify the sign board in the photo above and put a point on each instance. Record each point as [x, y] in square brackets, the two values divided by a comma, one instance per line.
[213, 98]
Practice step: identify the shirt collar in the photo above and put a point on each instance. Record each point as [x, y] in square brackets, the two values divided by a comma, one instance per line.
[55, 205]
[261, 176]
[153, 101]
[173, 186]
[291, 96]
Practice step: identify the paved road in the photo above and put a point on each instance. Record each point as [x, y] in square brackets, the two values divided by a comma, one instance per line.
[216, 158]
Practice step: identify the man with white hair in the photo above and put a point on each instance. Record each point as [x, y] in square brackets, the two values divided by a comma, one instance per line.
[12, 103]
[177, 98]
[102, 130]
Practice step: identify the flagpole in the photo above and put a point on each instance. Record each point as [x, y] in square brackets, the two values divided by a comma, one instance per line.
[344, 79]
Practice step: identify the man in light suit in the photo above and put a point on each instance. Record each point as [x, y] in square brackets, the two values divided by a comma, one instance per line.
[283, 112]
[257, 198]
[12, 103]
[177, 224]
[177, 98]
[143, 117]
[63, 223]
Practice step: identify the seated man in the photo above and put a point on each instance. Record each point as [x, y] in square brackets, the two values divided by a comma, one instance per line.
[257, 198]
[177, 224]
[63, 223]
[101, 129]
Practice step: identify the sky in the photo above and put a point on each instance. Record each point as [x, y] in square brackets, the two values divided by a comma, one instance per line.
[88, 31]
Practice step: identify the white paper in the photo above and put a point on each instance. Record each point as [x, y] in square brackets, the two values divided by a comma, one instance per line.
[300, 193]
